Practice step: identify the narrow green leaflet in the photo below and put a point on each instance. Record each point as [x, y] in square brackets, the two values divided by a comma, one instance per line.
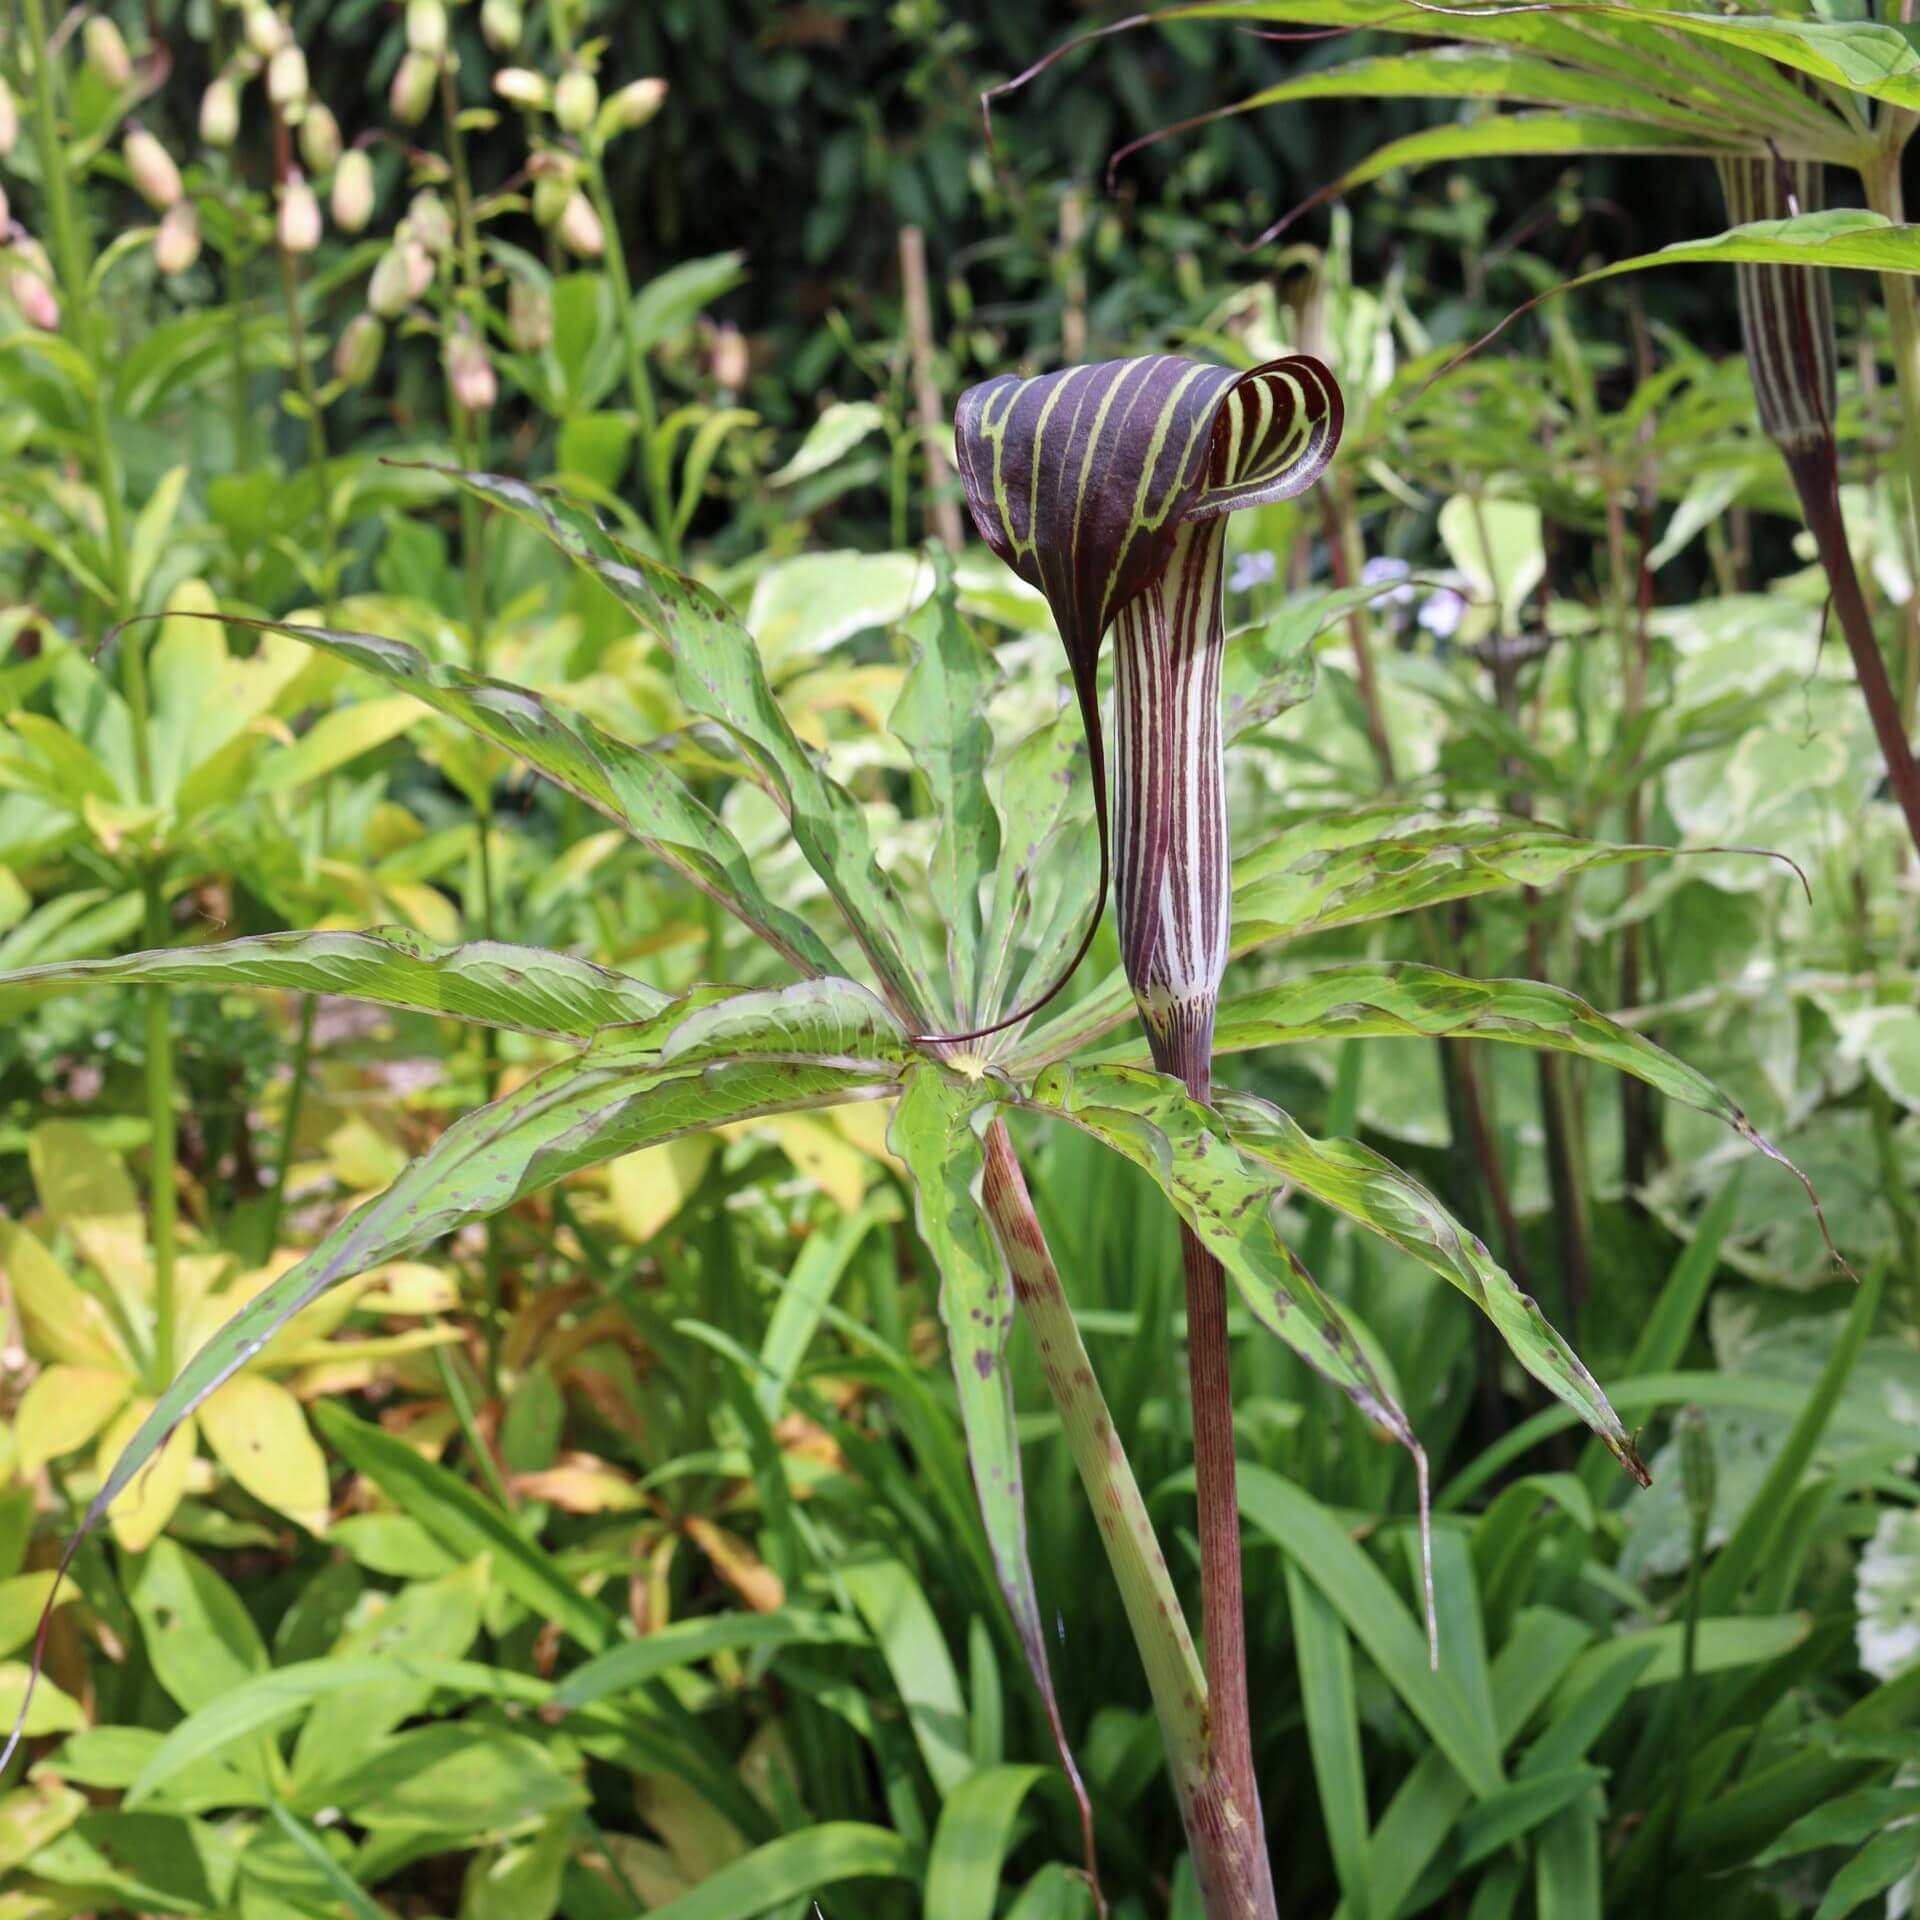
[933, 1132]
[1227, 1197]
[1270, 667]
[797, 1866]
[618, 1096]
[970, 1844]
[527, 989]
[1354, 1180]
[719, 676]
[1339, 869]
[634, 788]
[1383, 998]
[941, 717]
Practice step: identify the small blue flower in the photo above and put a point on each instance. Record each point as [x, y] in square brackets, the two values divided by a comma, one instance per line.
[1441, 613]
[1381, 569]
[1256, 568]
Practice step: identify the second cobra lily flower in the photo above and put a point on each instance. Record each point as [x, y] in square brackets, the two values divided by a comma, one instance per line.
[1108, 488]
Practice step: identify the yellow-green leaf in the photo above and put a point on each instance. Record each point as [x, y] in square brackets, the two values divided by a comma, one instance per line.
[64, 1408]
[61, 1319]
[650, 1187]
[257, 1431]
[140, 1515]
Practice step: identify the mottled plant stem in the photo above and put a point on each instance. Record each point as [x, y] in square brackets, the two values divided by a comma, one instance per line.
[1224, 1834]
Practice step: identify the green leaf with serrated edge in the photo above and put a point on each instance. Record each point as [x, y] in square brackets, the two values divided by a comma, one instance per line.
[1228, 1199]
[1352, 1179]
[797, 1866]
[934, 1132]
[632, 786]
[1737, 88]
[940, 716]
[1385, 998]
[616, 1097]
[1339, 869]
[718, 675]
[971, 1842]
[526, 989]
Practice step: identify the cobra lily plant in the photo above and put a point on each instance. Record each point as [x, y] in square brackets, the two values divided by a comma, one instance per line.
[1109, 487]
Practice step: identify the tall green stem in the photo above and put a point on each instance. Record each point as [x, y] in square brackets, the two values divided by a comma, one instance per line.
[82, 322]
[1228, 1847]
[639, 385]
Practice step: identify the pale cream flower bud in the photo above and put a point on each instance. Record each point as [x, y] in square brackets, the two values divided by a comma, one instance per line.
[299, 226]
[356, 354]
[412, 92]
[469, 371]
[576, 99]
[9, 119]
[287, 79]
[400, 276]
[6, 213]
[29, 281]
[429, 222]
[220, 112]
[320, 138]
[580, 230]
[176, 246]
[551, 192]
[155, 178]
[266, 33]
[352, 200]
[529, 317]
[732, 359]
[106, 52]
[523, 88]
[427, 28]
[500, 24]
[631, 107]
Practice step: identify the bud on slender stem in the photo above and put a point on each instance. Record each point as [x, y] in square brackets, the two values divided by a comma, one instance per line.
[28, 278]
[287, 81]
[352, 199]
[469, 371]
[265, 31]
[427, 28]
[522, 87]
[299, 224]
[580, 230]
[106, 52]
[631, 107]
[529, 317]
[411, 95]
[220, 112]
[576, 99]
[501, 22]
[150, 166]
[176, 245]
[356, 355]
[320, 138]
[430, 223]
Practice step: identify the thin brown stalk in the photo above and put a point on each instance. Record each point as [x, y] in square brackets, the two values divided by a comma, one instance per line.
[943, 510]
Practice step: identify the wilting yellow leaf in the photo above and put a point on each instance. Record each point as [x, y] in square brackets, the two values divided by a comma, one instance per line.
[636, 1866]
[362, 1157]
[651, 1186]
[33, 1816]
[738, 1565]
[411, 1286]
[839, 1170]
[426, 908]
[699, 1836]
[259, 1434]
[22, 1601]
[64, 1409]
[581, 1484]
[88, 1191]
[62, 1319]
[52, 1711]
[139, 1517]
